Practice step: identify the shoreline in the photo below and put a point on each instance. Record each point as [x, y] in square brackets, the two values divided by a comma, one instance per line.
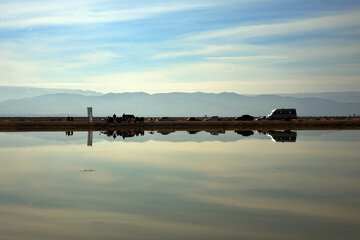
[36, 124]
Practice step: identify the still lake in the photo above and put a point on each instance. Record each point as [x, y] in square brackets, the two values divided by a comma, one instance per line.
[180, 185]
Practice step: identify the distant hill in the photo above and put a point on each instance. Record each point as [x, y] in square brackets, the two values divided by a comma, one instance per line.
[7, 93]
[343, 97]
[171, 104]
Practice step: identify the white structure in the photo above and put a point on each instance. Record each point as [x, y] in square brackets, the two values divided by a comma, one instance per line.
[90, 114]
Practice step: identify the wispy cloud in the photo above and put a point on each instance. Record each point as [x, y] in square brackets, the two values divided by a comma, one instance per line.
[247, 58]
[90, 59]
[201, 76]
[240, 48]
[32, 14]
[344, 20]
[16, 70]
[194, 52]
[220, 76]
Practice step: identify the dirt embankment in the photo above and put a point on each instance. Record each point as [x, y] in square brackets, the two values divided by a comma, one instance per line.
[100, 124]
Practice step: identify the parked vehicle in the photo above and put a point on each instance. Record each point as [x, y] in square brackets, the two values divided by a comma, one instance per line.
[192, 119]
[213, 118]
[165, 119]
[245, 118]
[282, 114]
[260, 118]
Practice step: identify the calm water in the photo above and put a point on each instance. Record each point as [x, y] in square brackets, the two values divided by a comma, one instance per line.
[180, 185]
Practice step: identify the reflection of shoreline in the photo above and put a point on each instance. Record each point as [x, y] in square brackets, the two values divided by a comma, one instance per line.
[27, 139]
[47, 124]
[276, 136]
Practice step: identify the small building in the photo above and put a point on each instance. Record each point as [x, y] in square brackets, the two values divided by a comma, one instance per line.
[128, 117]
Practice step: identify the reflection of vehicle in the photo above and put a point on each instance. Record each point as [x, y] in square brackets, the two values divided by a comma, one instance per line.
[282, 136]
[165, 132]
[212, 118]
[282, 114]
[245, 133]
[193, 132]
[216, 132]
[245, 118]
[192, 119]
[165, 119]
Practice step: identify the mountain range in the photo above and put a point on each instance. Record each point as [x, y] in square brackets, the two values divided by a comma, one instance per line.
[7, 93]
[18, 101]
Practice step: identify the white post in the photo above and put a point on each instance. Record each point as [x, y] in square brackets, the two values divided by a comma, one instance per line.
[90, 114]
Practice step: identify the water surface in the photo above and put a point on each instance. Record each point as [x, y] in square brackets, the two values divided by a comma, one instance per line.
[180, 185]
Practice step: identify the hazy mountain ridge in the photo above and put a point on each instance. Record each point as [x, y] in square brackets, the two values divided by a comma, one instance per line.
[171, 104]
[343, 97]
[8, 93]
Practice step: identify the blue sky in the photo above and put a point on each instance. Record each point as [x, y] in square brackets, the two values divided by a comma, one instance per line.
[243, 46]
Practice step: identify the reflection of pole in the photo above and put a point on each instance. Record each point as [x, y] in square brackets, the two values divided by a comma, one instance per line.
[90, 115]
[90, 138]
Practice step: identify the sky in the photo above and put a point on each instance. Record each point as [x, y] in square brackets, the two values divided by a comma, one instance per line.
[242, 46]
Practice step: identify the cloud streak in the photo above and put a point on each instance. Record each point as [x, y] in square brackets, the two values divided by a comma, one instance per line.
[178, 46]
[247, 58]
[90, 59]
[344, 20]
[194, 52]
[33, 14]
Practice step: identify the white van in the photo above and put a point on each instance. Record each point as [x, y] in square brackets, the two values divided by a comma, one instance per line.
[282, 114]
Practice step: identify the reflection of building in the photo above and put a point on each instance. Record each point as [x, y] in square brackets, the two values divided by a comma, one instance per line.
[123, 134]
[245, 133]
[282, 136]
